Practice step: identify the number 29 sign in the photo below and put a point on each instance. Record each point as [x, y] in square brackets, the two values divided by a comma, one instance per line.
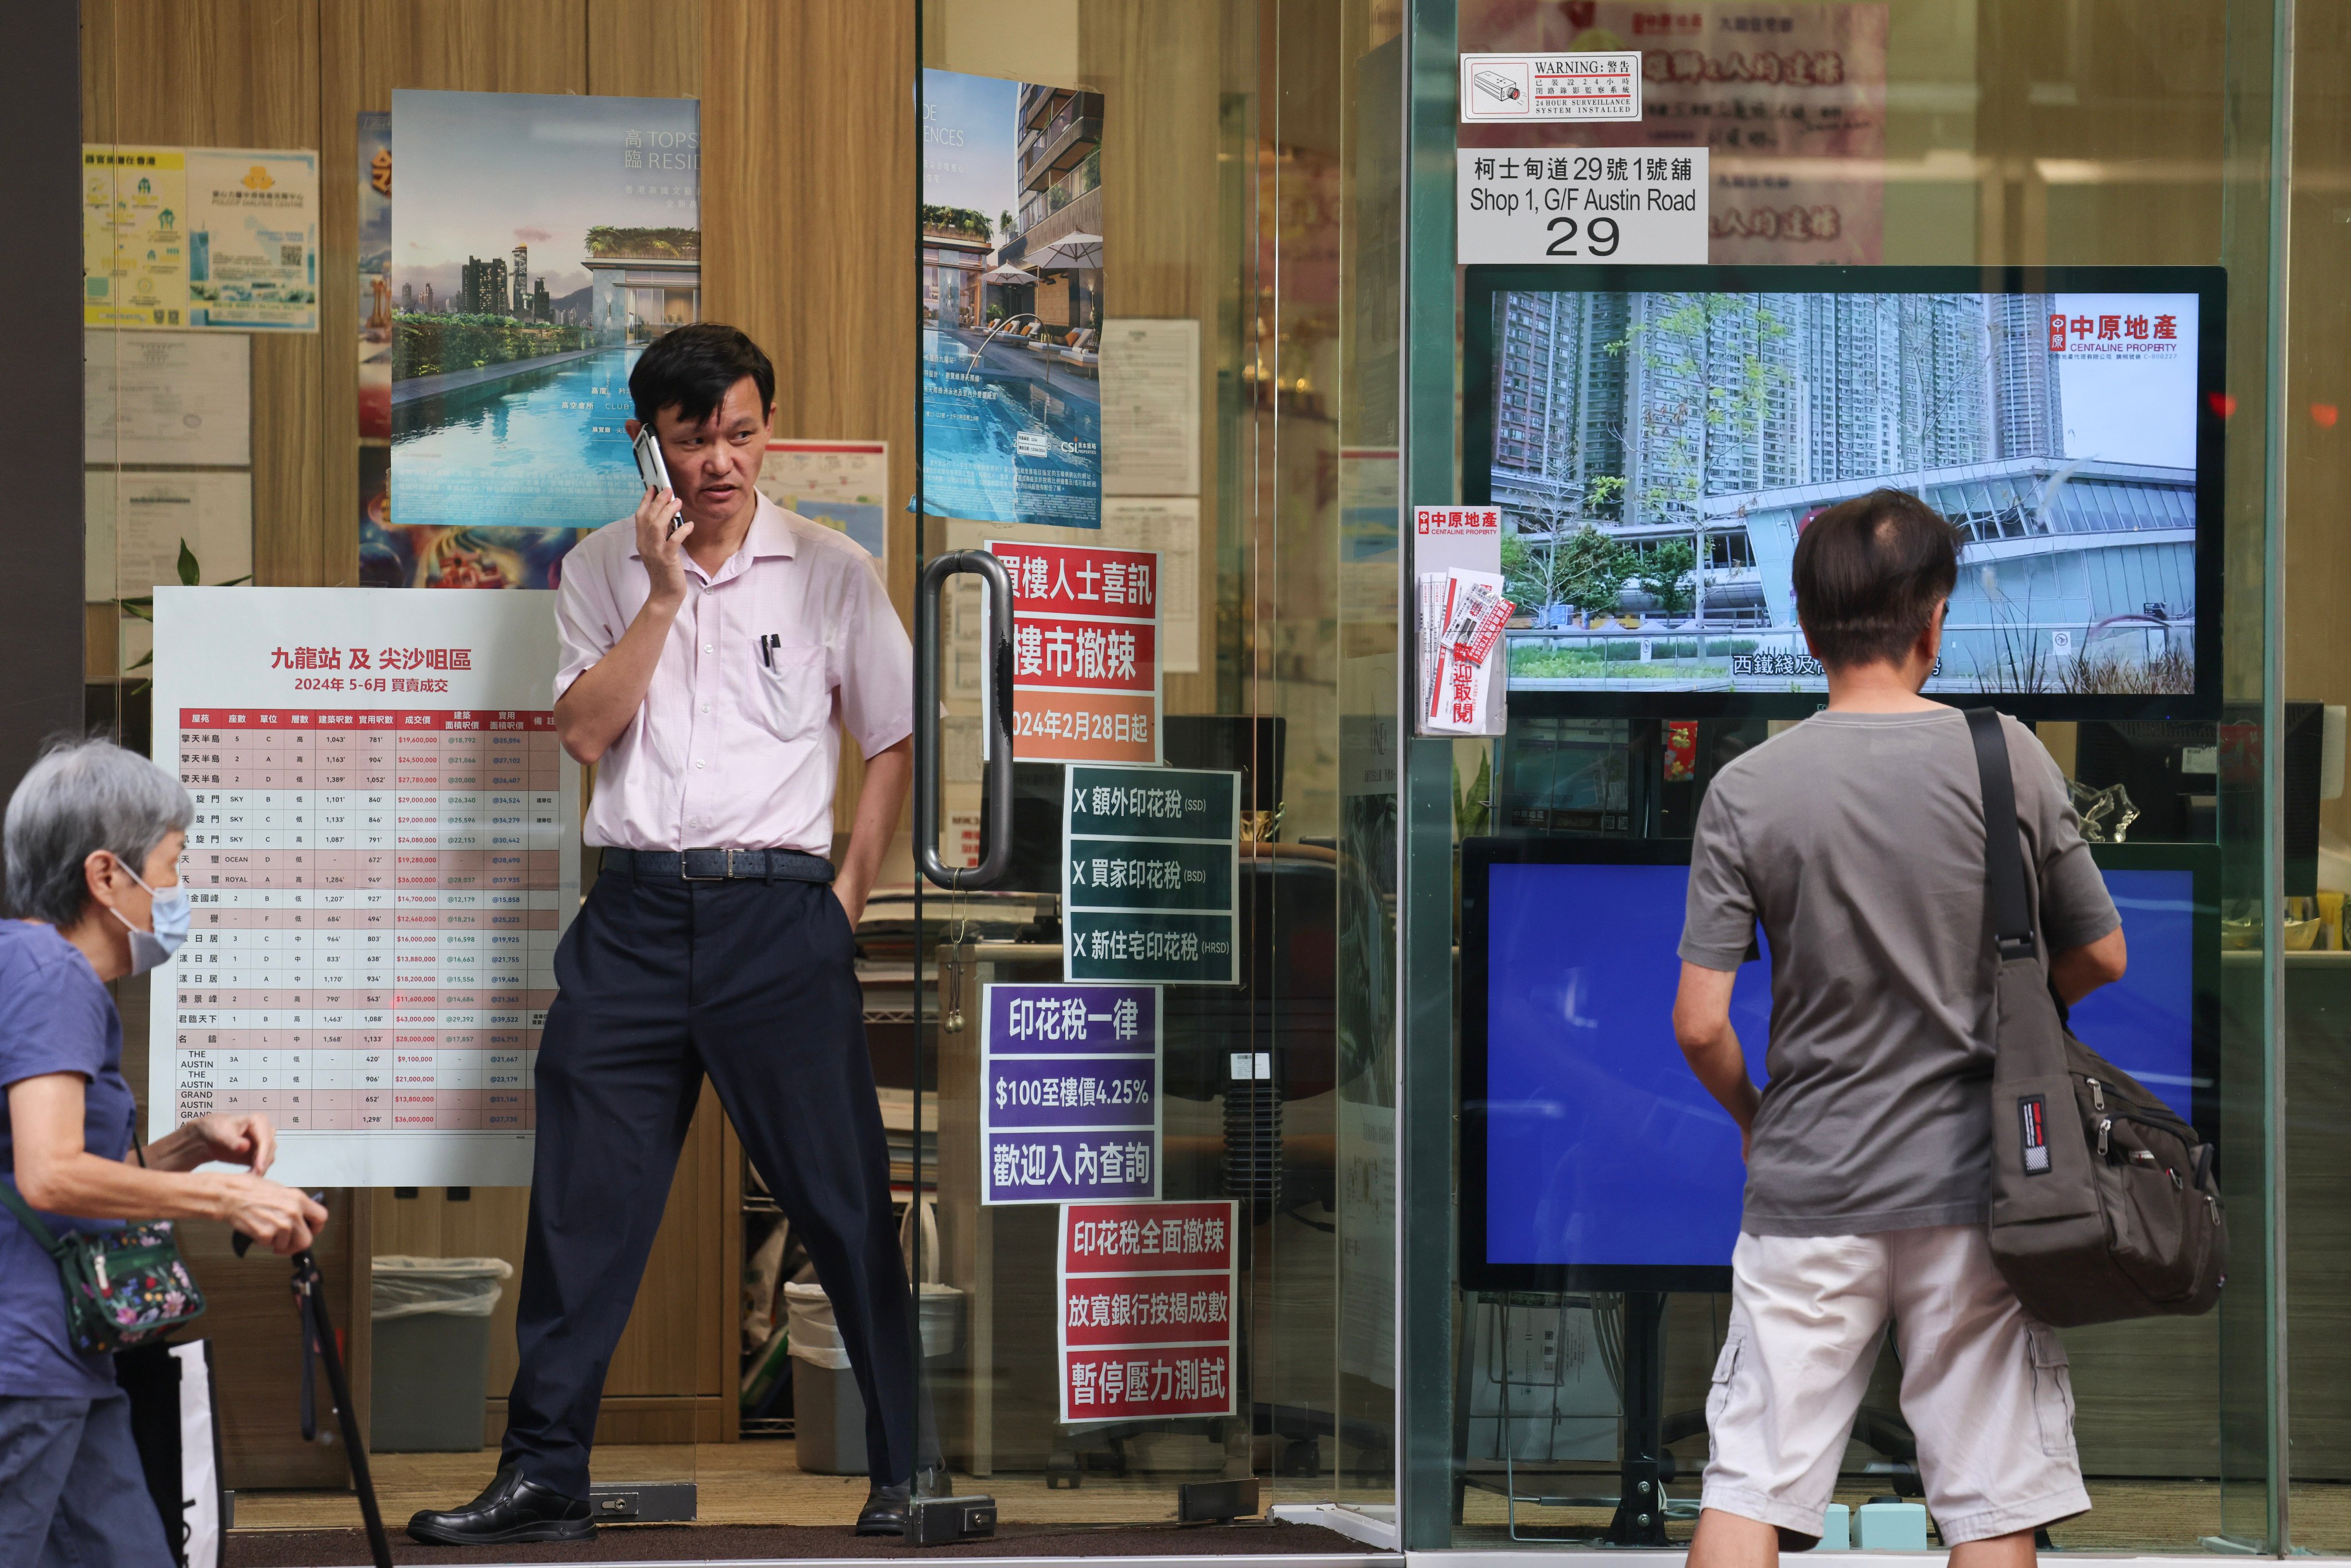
[1561, 207]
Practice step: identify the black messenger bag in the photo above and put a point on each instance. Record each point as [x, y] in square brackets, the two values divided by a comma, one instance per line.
[2105, 1205]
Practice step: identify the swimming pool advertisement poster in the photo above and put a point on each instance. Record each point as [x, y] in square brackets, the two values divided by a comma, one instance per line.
[1011, 301]
[538, 242]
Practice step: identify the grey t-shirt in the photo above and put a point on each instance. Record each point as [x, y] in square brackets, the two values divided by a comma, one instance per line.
[1857, 840]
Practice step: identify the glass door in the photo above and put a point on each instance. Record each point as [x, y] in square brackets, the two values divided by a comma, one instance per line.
[1158, 390]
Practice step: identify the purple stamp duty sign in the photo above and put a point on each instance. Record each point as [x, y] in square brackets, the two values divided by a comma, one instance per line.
[1070, 1093]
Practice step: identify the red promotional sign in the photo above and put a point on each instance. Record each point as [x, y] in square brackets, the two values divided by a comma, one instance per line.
[1085, 651]
[1147, 1314]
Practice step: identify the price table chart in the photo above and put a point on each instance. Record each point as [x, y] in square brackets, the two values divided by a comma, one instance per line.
[374, 918]
[383, 856]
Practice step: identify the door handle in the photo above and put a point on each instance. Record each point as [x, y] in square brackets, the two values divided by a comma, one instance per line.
[996, 715]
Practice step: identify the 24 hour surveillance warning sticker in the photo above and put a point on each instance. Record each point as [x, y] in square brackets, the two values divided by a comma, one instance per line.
[1501, 89]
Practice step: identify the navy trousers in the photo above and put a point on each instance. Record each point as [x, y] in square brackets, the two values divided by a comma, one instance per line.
[71, 1492]
[661, 981]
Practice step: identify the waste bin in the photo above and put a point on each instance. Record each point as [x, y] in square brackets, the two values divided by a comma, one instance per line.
[828, 1412]
[431, 1352]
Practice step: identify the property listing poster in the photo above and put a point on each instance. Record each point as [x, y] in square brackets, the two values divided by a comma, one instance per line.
[539, 242]
[221, 238]
[1789, 98]
[1011, 301]
[380, 867]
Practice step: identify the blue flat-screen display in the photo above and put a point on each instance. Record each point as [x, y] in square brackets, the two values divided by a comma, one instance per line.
[1602, 1151]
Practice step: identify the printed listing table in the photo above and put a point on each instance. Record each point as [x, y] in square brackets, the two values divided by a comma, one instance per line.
[383, 857]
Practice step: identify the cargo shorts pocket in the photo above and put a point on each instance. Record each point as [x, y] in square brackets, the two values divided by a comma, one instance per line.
[2053, 1390]
[1725, 1368]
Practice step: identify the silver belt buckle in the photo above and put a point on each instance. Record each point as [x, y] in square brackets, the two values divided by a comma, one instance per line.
[685, 875]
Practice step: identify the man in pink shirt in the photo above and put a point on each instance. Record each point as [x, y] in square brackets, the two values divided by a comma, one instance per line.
[717, 649]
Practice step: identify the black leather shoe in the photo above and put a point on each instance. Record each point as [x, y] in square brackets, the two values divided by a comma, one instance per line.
[886, 1508]
[513, 1509]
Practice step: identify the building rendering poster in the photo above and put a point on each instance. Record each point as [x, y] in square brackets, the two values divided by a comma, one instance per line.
[1657, 456]
[1789, 97]
[538, 244]
[1011, 301]
[375, 274]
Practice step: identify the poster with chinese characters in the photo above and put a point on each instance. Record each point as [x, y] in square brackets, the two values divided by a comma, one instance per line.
[1789, 98]
[1011, 308]
[1146, 1319]
[200, 238]
[253, 239]
[539, 242]
[381, 861]
[1151, 875]
[134, 250]
[1069, 1093]
[1085, 651]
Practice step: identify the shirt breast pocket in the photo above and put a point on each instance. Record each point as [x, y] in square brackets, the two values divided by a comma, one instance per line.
[795, 701]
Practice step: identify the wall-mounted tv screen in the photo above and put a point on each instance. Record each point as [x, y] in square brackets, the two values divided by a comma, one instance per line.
[1592, 1159]
[1657, 438]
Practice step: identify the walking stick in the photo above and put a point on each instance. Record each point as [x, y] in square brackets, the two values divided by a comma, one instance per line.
[318, 1334]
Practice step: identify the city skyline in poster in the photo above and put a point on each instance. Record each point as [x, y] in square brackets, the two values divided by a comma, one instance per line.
[539, 242]
[1011, 301]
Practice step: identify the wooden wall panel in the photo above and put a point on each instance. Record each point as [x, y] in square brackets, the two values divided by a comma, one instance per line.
[294, 73]
[645, 48]
[471, 46]
[672, 1373]
[338, 295]
[809, 189]
[233, 73]
[808, 211]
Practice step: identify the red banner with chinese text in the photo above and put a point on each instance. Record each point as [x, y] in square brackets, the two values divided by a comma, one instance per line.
[1085, 651]
[1146, 1312]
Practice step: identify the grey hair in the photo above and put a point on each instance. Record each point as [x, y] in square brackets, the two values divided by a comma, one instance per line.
[85, 795]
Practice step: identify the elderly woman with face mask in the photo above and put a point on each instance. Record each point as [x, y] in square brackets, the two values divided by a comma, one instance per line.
[93, 837]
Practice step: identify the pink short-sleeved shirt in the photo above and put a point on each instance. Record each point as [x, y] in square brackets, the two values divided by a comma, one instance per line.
[734, 749]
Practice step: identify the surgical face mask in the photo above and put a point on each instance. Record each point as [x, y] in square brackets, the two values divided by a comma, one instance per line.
[168, 916]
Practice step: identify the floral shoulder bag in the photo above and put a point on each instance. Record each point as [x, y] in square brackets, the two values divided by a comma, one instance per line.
[122, 1287]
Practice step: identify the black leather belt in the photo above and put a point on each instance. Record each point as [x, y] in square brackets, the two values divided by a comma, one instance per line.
[718, 865]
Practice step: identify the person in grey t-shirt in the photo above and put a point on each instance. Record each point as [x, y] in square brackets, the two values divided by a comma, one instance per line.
[1856, 840]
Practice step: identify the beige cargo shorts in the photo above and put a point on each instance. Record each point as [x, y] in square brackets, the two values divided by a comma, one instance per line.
[1984, 1385]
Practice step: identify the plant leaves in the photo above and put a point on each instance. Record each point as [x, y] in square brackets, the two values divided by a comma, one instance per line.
[189, 574]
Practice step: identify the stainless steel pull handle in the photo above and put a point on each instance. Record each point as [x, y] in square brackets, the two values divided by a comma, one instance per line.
[996, 790]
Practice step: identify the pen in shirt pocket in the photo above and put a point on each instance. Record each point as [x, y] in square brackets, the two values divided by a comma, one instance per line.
[768, 646]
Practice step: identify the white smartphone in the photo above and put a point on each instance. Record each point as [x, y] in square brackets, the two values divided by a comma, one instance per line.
[652, 469]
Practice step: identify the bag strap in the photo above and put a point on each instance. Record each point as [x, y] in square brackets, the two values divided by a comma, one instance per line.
[2012, 916]
[28, 1219]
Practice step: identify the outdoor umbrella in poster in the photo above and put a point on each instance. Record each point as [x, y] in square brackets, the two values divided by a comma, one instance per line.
[1071, 251]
